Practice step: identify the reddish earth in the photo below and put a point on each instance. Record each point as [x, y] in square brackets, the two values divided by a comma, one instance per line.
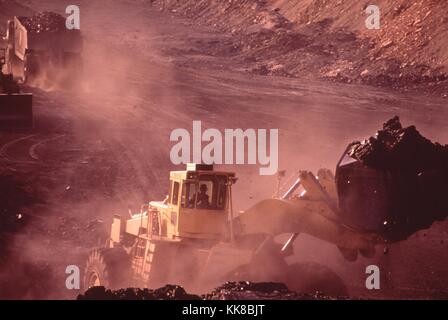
[329, 40]
[104, 147]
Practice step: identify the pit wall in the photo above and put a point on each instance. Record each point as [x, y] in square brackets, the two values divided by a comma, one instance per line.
[414, 32]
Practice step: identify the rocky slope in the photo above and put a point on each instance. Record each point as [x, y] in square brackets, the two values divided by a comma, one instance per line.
[329, 39]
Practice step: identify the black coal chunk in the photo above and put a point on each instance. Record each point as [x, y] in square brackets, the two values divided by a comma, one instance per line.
[394, 183]
[45, 21]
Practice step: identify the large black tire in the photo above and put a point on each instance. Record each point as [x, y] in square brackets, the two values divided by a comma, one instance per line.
[305, 277]
[310, 277]
[110, 268]
[261, 269]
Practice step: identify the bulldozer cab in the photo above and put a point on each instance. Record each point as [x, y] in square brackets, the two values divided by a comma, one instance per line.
[198, 206]
[201, 191]
[198, 202]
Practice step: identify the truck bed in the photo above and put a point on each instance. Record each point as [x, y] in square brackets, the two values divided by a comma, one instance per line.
[45, 32]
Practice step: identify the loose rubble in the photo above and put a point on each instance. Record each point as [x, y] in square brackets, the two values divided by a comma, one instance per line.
[243, 290]
[169, 292]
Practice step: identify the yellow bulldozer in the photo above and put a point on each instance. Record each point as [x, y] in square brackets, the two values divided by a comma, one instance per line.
[193, 237]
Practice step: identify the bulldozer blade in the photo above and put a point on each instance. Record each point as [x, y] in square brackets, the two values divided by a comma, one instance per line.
[16, 111]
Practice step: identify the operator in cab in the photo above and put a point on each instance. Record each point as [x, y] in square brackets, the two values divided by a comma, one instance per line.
[203, 200]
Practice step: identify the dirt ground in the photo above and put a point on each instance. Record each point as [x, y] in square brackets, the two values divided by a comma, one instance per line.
[103, 147]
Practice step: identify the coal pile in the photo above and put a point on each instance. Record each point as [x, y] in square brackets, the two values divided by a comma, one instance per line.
[398, 148]
[395, 183]
[243, 290]
[169, 292]
[246, 290]
[44, 22]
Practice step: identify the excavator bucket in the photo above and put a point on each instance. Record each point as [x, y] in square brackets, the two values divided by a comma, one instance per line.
[16, 110]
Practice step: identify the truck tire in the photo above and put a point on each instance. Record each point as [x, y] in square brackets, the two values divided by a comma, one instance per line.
[26, 70]
[108, 267]
[30, 68]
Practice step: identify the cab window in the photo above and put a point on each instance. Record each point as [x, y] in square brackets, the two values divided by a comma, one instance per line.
[221, 197]
[175, 194]
[188, 195]
[209, 192]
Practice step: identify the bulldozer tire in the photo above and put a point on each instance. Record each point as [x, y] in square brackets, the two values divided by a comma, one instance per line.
[309, 277]
[260, 270]
[109, 268]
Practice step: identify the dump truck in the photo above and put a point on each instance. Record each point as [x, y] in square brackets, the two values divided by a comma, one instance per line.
[40, 45]
[16, 108]
[194, 238]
